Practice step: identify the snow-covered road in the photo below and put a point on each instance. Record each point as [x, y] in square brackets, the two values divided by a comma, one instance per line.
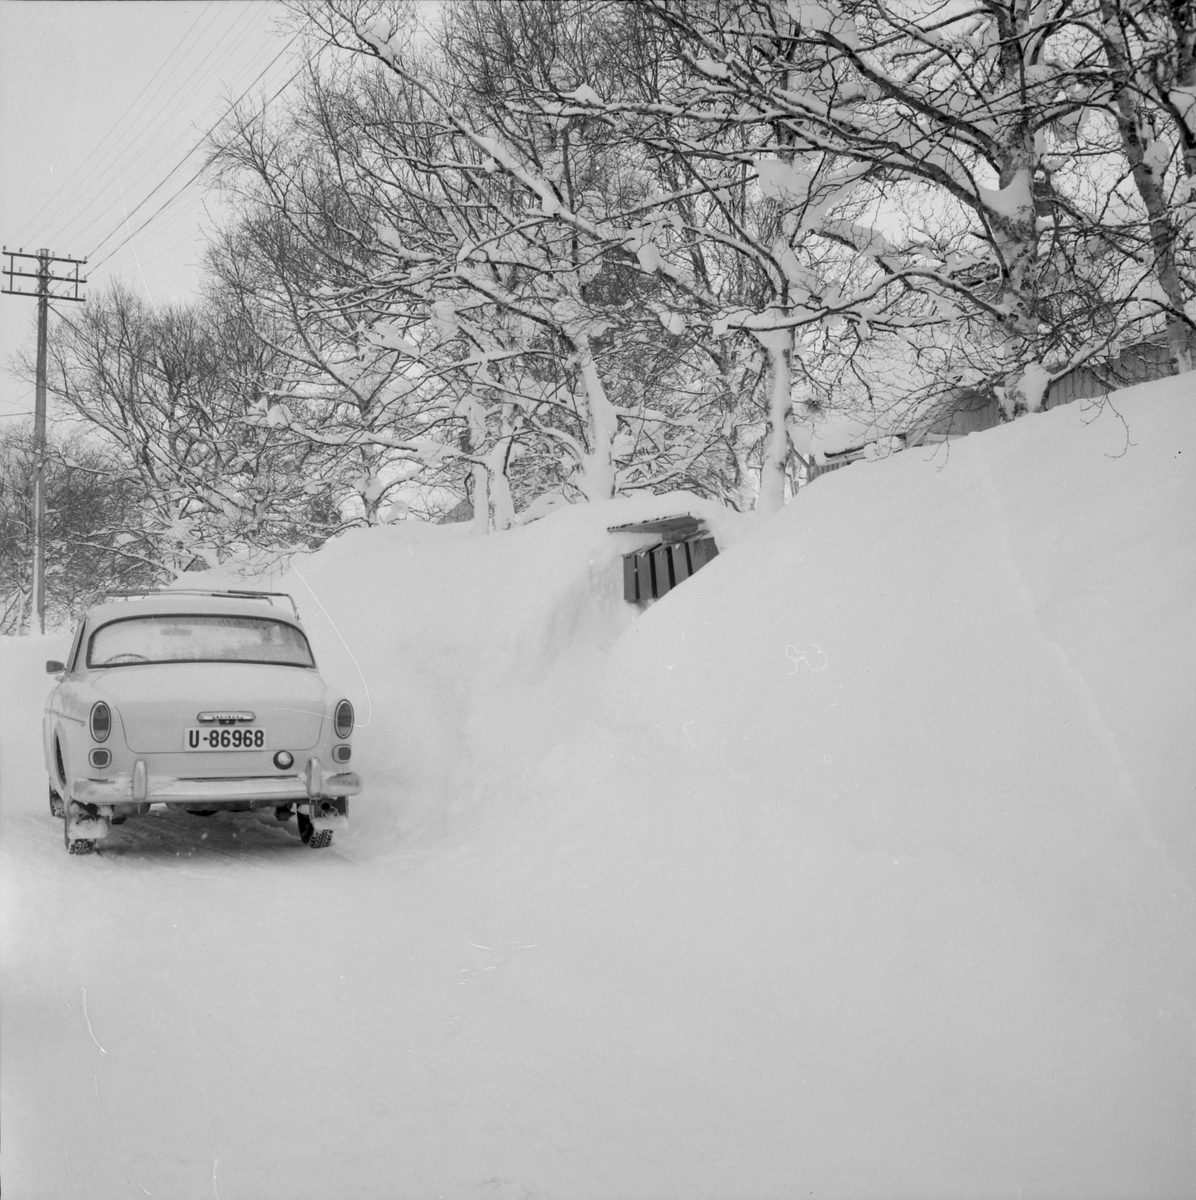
[204, 994]
[208, 1008]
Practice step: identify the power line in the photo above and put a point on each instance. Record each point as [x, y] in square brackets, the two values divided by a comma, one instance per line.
[165, 250]
[178, 220]
[141, 142]
[103, 141]
[133, 233]
[198, 145]
[167, 113]
[145, 139]
[178, 166]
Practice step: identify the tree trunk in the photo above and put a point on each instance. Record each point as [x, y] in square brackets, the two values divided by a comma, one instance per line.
[598, 465]
[481, 498]
[1136, 139]
[501, 502]
[473, 442]
[778, 344]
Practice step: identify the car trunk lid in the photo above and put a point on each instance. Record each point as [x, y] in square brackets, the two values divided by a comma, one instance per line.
[156, 703]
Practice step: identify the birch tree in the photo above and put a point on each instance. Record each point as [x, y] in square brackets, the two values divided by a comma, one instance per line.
[1148, 84]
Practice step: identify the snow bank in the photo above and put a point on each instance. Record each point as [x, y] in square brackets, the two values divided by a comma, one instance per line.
[924, 752]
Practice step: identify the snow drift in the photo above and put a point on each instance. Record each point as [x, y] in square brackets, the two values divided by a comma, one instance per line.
[861, 864]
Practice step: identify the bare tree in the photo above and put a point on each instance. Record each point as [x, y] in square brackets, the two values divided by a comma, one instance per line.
[948, 113]
[171, 390]
[95, 536]
[493, 241]
[590, 247]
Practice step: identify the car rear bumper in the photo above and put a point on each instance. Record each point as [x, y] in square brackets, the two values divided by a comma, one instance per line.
[163, 789]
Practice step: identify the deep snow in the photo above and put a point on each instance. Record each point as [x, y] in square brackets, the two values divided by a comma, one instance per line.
[862, 864]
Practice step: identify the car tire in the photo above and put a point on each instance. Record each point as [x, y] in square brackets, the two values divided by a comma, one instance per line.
[79, 845]
[317, 839]
[57, 807]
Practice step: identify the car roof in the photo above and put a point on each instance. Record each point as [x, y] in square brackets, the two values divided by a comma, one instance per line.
[273, 605]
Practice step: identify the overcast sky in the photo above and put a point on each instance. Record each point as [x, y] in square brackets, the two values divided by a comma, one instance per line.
[99, 103]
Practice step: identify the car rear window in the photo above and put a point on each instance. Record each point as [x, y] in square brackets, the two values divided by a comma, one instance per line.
[176, 638]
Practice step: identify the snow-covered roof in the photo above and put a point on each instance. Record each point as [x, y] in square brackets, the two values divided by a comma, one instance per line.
[674, 528]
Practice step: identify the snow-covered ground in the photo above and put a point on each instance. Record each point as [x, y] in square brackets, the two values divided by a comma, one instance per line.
[860, 865]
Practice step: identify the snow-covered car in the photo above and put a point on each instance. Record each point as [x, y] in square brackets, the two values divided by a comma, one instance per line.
[198, 700]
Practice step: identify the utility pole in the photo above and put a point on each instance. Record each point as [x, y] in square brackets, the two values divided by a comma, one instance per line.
[44, 277]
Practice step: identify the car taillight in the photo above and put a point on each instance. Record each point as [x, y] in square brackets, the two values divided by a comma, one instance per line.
[101, 721]
[344, 719]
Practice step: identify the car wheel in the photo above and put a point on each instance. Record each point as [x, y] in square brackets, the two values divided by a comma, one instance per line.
[79, 845]
[57, 808]
[317, 839]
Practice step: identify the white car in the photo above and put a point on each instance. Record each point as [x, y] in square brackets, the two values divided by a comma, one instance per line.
[198, 700]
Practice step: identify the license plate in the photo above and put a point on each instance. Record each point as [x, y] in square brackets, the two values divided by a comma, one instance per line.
[224, 739]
